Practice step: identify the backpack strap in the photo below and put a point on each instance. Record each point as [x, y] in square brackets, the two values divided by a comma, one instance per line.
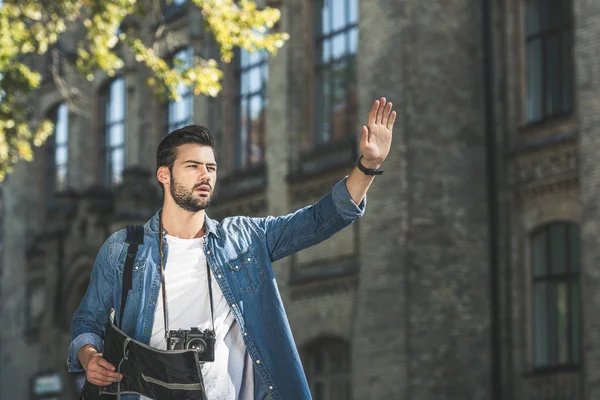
[135, 237]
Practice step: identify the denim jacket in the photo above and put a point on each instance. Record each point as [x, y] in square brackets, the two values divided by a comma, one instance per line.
[240, 252]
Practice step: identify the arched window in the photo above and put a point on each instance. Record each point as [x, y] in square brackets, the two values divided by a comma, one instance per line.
[327, 366]
[555, 261]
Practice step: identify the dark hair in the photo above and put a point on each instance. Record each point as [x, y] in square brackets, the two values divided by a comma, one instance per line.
[167, 149]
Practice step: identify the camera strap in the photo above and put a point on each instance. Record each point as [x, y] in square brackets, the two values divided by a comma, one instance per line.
[161, 234]
[135, 237]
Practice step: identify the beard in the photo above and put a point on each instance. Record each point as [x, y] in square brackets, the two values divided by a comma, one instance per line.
[185, 198]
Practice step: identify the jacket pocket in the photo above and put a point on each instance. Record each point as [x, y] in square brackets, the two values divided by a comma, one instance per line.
[246, 271]
[138, 268]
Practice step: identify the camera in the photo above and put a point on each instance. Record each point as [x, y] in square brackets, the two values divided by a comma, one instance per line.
[201, 341]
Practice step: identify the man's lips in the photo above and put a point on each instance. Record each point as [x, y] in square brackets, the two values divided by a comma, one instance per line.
[203, 188]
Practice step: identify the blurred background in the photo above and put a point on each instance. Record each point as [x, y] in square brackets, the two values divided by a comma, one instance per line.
[474, 272]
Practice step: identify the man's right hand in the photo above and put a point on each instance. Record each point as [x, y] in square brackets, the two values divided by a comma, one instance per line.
[98, 371]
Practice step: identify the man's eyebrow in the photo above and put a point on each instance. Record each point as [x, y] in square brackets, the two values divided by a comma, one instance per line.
[200, 163]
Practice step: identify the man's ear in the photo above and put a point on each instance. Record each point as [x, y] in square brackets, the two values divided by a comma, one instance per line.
[163, 175]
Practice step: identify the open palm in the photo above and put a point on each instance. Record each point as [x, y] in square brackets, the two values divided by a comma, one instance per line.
[376, 138]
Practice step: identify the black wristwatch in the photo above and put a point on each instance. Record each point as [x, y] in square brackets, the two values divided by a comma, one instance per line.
[368, 171]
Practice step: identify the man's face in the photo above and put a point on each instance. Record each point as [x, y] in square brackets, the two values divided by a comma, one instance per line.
[193, 177]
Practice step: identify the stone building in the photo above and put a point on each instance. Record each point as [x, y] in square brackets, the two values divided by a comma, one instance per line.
[466, 278]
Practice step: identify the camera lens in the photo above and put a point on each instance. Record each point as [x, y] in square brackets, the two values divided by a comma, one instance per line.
[197, 344]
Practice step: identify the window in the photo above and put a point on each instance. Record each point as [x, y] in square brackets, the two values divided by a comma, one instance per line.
[336, 46]
[57, 152]
[556, 296]
[550, 76]
[251, 103]
[181, 111]
[327, 365]
[113, 105]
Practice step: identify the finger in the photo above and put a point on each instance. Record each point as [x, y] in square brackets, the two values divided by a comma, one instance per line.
[105, 374]
[391, 121]
[379, 117]
[387, 112]
[373, 112]
[103, 363]
[96, 368]
[101, 380]
[364, 136]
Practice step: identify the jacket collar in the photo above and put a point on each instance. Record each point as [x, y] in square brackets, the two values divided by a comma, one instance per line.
[211, 226]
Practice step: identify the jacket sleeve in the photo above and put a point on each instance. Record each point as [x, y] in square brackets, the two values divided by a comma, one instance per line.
[89, 321]
[310, 225]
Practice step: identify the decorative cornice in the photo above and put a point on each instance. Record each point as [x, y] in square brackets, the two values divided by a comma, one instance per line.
[552, 167]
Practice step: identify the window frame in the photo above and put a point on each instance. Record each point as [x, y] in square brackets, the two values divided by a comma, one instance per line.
[52, 166]
[543, 35]
[107, 150]
[242, 156]
[319, 348]
[571, 277]
[187, 95]
[347, 59]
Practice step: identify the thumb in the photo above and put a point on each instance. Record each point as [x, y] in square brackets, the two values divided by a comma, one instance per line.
[364, 136]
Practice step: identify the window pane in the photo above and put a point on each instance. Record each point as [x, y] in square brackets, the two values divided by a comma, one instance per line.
[61, 177]
[254, 76]
[242, 139]
[319, 391]
[562, 320]
[576, 320]
[116, 108]
[556, 14]
[353, 11]
[534, 80]
[575, 249]
[117, 164]
[540, 321]
[552, 64]
[326, 17]
[552, 323]
[558, 257]
[257, 111]
[62, 125]
[116, 135]
[532, 19]
[338, 13]
[338, 43]
[339, 73]
[353, 41]
[326, 51]
[61, 156]
[567, 70]
[539, 254]
[323, 107]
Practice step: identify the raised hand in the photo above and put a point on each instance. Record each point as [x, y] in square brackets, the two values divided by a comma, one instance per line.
[376, 138]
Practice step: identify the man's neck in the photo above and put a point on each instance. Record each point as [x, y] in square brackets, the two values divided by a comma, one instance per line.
[181, 223]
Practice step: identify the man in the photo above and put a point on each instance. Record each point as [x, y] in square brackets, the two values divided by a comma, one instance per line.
[255, 354]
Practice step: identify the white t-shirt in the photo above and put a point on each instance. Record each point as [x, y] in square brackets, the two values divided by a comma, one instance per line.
[230, 376]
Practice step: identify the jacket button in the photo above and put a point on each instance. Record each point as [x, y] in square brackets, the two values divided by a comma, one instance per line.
[146, 331]
[270, 387]
[219, 276]
[249, 259]
[208, 252]
[258, 361]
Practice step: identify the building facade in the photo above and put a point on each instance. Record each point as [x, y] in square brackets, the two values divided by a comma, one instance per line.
[473, 273]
